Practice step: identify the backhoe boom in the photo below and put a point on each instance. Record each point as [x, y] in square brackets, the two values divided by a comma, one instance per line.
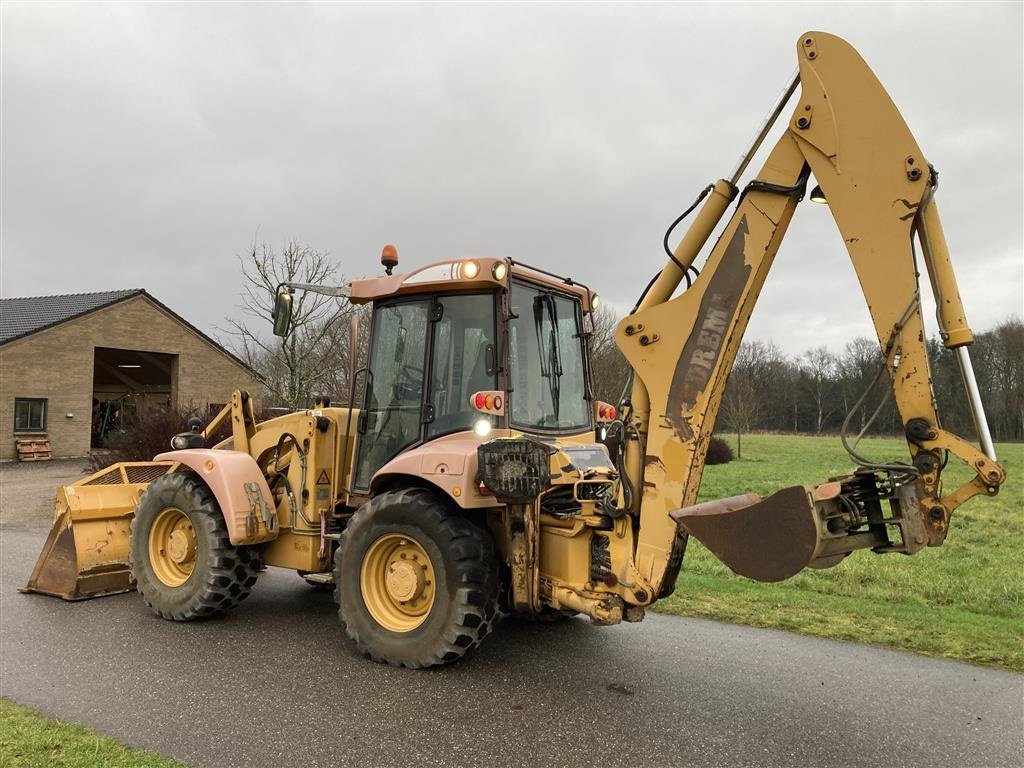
[848, 133]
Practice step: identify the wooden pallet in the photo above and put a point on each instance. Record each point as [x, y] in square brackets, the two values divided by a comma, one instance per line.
[34, 448]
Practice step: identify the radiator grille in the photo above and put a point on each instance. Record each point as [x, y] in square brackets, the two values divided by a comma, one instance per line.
[119, 474]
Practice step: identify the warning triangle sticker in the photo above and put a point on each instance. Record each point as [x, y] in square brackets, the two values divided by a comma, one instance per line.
[323, 479]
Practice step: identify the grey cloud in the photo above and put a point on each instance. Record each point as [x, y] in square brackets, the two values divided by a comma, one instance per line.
[146, 145]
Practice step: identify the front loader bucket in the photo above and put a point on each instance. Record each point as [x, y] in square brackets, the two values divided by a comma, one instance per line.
[86, 553]
[763, 539]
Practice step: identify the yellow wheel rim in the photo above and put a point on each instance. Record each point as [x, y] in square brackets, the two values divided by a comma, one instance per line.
[172, 547]
[397, 582]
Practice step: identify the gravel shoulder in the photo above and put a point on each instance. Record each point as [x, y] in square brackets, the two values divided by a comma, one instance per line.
[27, 490]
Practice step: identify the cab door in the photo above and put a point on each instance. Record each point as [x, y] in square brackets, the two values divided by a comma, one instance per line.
[392, 416]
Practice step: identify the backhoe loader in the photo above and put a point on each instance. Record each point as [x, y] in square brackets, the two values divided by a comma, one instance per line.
[479, 477]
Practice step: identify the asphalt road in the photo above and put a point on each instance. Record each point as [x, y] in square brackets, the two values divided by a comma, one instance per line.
[275, 683]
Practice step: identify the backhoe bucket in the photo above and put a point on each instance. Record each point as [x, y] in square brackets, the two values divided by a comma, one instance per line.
[774, 538]
[763, 539]
[86, 553]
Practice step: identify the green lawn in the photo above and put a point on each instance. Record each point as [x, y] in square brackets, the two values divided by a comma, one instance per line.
[964, 600]
[29, 740]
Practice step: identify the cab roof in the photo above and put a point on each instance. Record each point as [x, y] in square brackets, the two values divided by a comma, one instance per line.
[474, 273]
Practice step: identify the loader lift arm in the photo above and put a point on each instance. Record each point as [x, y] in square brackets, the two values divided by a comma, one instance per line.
[849, 134]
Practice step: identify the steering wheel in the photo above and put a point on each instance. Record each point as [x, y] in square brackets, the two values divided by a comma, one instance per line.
[410, 375]
[409, 382]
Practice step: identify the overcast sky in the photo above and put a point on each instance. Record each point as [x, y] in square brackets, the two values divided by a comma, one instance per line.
[146, 145]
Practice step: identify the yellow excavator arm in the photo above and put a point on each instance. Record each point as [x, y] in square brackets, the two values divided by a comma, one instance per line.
[846, 131]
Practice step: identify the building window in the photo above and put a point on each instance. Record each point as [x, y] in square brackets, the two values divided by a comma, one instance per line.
[29, 414]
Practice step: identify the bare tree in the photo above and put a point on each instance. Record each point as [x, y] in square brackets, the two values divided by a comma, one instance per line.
[741, 404]
[608, 366]
[856, 369]
[998, 359]
[307, 362]
[1008, 362]
[818, 376]
[342, 383]
[752, 393]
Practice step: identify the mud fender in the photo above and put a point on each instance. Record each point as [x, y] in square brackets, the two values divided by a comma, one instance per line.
[447, 463]
[240, 488]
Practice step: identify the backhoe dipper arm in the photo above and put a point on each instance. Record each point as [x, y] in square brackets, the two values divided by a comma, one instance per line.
[847, 131]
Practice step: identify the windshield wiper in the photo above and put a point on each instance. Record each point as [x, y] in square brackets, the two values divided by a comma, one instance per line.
[551, 368]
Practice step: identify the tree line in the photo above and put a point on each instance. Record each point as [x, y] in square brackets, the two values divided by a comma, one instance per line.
[816, 391]
[768, 390]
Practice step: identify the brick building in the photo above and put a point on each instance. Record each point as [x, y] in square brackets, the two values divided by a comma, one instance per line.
[74, 367]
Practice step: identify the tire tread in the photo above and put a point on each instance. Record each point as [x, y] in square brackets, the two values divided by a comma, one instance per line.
[476, 597]
[233, 570]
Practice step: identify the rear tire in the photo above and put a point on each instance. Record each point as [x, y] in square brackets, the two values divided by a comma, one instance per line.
[416, 584]
[182, 560]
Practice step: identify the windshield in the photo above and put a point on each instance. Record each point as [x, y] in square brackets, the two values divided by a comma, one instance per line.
[546, 360]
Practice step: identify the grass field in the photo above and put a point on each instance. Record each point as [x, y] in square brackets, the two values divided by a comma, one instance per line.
[29, 740]
[964, 600]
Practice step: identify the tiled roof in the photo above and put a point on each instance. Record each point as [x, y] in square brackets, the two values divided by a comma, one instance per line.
[24, 316]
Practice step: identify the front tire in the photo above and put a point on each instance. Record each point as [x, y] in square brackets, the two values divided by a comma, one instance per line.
[416, 583]
[182, 560]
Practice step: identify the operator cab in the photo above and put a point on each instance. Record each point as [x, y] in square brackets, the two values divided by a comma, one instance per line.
[471, 345]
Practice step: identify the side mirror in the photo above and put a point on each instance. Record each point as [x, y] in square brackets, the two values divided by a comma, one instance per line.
[282, 312]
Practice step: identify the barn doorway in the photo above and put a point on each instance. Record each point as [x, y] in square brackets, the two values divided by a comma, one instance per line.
[127, 383]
